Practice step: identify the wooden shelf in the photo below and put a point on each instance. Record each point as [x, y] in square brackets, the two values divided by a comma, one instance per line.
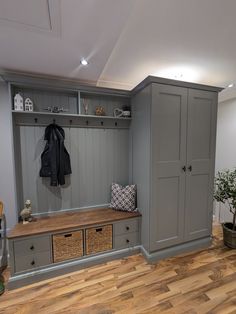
[34, 118]
[70, 220]
[103, 117]
[64, 114]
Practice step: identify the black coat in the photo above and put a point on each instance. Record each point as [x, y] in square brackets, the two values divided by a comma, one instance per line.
[55, 159]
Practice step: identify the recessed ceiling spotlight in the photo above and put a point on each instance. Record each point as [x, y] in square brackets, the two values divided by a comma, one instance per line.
[230, 85]
[183, 72]
[84, 62]
[178, 76]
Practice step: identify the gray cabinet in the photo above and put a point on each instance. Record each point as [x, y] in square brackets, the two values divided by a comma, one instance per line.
[201, 134]
[30, 253]
[174, 174]
[126, 234]
[54, 251]
[168, 155]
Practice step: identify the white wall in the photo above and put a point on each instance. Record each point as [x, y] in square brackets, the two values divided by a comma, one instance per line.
[225, 146]
[7, 185]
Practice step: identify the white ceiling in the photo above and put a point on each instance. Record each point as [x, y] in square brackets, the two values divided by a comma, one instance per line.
[123, 40]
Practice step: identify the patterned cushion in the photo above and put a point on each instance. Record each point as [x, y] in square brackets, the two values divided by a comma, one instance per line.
[123, 198]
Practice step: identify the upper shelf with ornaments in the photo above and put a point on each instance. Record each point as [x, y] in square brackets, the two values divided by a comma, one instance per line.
[83, 108]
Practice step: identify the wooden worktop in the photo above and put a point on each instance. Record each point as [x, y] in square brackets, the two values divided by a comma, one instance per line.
[69, 220]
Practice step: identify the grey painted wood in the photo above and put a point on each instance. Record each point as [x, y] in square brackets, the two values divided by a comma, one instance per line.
[168, 145]
[202, 109]
[47, 82]
[170, 82]
[18, 168]
[176, 249]
[126, 240]
[11, 260]
[32, 245]
[19, 280]
[98, 158]
[126, 226]
[43, 99]
[22, 255]
[32, 261]
[109, 103]
[140, 141]
[173, 126]
[69, 120]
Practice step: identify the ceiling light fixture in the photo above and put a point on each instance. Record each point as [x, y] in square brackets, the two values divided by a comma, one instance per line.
[230, 85]
[180, 72]
[84, 62]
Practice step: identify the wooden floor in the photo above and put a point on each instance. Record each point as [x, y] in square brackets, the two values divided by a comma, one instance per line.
[200, 282]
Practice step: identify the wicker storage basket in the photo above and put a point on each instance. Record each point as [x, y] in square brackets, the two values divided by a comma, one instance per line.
[67, 246]
[98, 239]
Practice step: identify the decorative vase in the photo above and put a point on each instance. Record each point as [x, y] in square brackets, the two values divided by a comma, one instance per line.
[229, 235]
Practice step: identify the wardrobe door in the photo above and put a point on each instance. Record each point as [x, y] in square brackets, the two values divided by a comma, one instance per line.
[201, 134]
[168, 144]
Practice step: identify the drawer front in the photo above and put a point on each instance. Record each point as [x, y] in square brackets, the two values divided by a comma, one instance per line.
[32, 245]
[67, 246]
[98, 239]
[126, 240]
[126, 226]
[32, 261]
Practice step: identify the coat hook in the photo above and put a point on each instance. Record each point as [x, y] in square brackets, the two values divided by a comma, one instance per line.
[87, 122]
[115, 123]
[101, 122]
[70, 121]
[36, 120]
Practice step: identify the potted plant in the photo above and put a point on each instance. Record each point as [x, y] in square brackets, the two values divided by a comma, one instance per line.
[225, 192]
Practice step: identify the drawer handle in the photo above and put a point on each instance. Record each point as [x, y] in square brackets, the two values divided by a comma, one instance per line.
[32, 263]
[127, 228]
[98, 229]
[32, 247]
[68, 235]
[127, 240]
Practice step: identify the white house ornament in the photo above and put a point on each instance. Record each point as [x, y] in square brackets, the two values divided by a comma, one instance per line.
[18, 103]
[29, 106]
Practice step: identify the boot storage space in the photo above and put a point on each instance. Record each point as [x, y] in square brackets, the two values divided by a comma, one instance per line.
[62, 238]
[98, 239]
[31, 253]
[67, 246]
[126, 233]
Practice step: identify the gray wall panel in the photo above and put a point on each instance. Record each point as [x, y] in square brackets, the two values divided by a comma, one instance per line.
[109, 103]
[48, 98]
[98, 158]
[140, 139]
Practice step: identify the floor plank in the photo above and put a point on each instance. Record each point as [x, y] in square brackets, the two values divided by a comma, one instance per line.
[195, 283]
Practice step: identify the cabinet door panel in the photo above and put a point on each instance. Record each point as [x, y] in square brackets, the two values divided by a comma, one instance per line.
[169, 123]
[202, 109]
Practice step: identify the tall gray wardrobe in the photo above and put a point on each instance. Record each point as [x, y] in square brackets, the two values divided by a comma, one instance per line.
[173, 154]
